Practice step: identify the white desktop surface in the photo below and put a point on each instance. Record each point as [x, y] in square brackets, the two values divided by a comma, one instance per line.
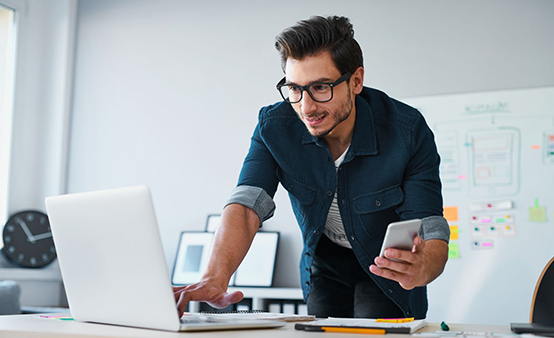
[27, 326]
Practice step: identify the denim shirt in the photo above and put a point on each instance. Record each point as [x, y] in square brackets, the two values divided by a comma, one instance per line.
[390, 173]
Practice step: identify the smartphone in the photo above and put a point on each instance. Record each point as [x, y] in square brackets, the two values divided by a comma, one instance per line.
[400, 235]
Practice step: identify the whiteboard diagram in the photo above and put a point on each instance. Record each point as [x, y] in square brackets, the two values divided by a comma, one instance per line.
[494, 162]
[497, 174]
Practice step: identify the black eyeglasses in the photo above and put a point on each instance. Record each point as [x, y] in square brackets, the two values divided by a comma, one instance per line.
[318, 91]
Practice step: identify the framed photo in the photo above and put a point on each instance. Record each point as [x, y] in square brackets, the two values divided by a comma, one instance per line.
[192, 257]
[213, 222]
[259, 264]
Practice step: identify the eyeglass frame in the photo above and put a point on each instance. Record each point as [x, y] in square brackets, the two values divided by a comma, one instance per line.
[345, 77]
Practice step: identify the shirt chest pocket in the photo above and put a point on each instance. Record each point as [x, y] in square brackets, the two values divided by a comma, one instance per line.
[375, 210]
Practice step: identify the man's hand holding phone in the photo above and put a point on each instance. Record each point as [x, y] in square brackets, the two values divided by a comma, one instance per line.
[401, 258]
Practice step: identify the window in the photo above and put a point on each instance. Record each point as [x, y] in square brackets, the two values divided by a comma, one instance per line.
[7, 66]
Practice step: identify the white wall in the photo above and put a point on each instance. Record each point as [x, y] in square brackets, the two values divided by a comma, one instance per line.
[44, 68]
[167, 92]
[43, 74]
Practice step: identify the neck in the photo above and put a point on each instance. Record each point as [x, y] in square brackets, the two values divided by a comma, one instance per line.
[340, 137]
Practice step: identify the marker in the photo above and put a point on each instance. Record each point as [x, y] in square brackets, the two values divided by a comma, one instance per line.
[352, 330]
[444, 327]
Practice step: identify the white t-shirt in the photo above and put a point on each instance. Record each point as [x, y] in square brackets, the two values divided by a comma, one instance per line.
[334, 229]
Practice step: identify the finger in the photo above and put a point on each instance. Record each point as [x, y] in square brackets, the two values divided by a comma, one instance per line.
[226, 299]
[419, 244]
[401, 267]
[402, 255]
[235, 297]
[385, 273]
[405, 281]
[184, 299]
[177, 292]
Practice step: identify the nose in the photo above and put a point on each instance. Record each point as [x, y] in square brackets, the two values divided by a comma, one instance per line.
[307, 104]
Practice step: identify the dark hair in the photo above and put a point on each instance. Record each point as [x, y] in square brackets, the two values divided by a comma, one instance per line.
[334, 34]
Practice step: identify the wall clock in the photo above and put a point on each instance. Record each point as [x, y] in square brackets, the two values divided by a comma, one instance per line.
[28, 239]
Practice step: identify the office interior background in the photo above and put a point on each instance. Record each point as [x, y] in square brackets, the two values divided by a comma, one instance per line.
[112, 93]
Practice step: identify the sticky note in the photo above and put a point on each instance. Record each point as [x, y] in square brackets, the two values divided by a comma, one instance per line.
[453, 250]
[537, 213]
[535, 147]
[454, 232]
[451, 214]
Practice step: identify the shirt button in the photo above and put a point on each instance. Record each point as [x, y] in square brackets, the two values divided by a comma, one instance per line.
[308, 269]
[307, 283]
[290, 187]
[378, 203]
[390, 290]
[329, 193]
[353, 238]
[308, 254]
[316, 232]
[343, 201]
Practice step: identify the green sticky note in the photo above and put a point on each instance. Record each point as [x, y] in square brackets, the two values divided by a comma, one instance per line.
[453, 250]
[537, 214]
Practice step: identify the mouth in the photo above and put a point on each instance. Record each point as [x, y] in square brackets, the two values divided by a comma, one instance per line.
[313, 121]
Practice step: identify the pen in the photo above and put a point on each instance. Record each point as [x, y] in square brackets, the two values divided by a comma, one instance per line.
[352, 330]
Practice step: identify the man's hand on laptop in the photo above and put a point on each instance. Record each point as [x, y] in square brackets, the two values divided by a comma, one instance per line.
[205, 291]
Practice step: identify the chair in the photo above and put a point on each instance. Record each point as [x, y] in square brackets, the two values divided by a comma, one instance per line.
[9, 298]
[542, 306]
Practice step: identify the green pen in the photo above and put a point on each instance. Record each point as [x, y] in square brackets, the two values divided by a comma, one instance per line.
[444, 327]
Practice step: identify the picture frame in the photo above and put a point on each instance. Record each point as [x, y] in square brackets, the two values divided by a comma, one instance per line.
[257, 268]
[212, 223]
[192, 257]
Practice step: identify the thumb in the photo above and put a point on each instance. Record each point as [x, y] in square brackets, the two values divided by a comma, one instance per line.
[419, 244]
[226, 299]
[234, 297]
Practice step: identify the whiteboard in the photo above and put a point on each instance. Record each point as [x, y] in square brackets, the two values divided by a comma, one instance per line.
[497, 171]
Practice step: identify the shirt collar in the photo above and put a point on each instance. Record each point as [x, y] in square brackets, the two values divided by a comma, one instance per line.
[364, 140]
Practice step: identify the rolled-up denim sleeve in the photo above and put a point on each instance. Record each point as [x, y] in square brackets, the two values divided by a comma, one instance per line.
[434, 227]
[258, 179]
[254, 198]
[422, 185]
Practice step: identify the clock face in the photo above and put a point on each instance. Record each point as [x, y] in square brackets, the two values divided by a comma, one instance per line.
[28, 240]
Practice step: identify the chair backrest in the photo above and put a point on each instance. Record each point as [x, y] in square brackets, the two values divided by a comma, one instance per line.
[542, 307]
[9, 298]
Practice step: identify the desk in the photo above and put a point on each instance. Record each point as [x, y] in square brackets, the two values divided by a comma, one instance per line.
[27, 326]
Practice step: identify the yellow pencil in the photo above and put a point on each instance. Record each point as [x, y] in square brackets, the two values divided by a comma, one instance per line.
[352, 330]
[394, 320]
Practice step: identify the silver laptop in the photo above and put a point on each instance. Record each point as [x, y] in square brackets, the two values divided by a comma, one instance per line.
[112, 263]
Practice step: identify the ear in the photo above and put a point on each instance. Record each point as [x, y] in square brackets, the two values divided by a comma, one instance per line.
[357, 80]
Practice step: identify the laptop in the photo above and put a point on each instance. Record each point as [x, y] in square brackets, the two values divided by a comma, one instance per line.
[535, 328]
[112, 263]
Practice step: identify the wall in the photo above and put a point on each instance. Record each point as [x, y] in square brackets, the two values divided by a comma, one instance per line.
[167, 92]
[44, 71]
[42, 80]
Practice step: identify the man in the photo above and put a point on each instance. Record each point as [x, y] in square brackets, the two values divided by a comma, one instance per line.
[353, 160]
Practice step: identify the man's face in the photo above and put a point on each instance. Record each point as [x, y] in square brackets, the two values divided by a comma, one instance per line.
[321, 119]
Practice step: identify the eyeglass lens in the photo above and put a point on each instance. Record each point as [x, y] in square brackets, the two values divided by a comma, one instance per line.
[318, 92]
